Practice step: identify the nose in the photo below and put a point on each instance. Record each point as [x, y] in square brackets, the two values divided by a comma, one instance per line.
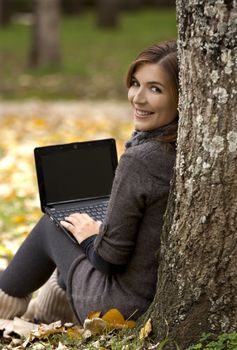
[139, 96]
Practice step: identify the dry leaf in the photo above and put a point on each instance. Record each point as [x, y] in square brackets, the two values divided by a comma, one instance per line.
[7, 327]
[130, 323]
[94, 326]
[44, 330]
[146, 330]
[39, 346]
[18, 326]
[75, 332]
[61, 347]
[115, 319]
[94, 314]
[114, 316]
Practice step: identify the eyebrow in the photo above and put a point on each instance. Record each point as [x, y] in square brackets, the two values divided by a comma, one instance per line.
[151, 82]
[155, 82]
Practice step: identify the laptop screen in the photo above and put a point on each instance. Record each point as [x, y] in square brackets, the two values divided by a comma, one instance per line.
[75, 171]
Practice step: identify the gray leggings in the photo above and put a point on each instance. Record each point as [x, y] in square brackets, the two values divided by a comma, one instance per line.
[44, 249]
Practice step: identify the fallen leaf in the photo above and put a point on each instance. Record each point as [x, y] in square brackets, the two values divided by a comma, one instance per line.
[19, 219]
[145, 330]
[94, 314]
[115, 319]
[75, 332]
[44, 330]
[94, 326]
[39, 346]
[130, 323]
[114, 316]
[18, 326]
[61, 346]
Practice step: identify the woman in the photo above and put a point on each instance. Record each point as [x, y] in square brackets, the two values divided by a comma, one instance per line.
[115, 263]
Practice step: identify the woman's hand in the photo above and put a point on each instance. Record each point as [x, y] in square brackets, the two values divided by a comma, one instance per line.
[81, 226]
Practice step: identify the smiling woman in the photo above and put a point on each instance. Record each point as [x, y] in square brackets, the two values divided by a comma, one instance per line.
[152, 81]
[114, 264]
[151, 97]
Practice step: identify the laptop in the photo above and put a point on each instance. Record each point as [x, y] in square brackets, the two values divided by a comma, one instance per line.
[75, 177]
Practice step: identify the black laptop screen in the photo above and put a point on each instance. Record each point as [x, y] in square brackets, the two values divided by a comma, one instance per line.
[74, 174]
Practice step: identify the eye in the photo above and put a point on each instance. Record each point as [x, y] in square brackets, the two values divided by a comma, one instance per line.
[155, 89]
[134, 82]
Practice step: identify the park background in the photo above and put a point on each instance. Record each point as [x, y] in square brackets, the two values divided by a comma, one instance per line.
[82, 96]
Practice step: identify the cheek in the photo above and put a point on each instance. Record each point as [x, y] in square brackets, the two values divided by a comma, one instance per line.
[130, 94]
[173, 110]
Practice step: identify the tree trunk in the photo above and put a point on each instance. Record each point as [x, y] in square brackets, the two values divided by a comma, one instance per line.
[45, 44]
[197, 277]
[107, 13]
[163, 3]
[73, 7]
[132, 4]
[5, 12]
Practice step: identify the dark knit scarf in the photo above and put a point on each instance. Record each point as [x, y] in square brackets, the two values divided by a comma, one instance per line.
[139, 137]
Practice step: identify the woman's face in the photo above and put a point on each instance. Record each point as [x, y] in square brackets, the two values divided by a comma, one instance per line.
[151, 97]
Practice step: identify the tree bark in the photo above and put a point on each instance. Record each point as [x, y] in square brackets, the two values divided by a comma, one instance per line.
[197, 277]
[45, 34]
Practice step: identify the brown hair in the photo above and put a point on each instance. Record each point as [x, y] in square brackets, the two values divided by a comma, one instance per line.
[164, 54]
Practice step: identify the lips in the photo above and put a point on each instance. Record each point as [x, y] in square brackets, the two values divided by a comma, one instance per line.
[142, 114]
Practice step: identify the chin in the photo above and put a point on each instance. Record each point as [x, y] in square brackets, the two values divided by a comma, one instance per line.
[144, 127]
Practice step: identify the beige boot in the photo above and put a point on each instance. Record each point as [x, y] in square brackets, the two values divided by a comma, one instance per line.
[50, 304]
[11, 307]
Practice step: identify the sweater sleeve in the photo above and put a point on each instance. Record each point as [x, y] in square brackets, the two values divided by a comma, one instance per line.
[99, 263]
[131, 188]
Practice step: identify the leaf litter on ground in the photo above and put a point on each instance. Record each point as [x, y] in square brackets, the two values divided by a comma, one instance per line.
[95, 325]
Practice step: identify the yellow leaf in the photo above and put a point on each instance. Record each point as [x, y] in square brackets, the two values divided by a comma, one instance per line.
[39, 122]
[44, 330]
[94, 314]
[74, 332]
[19, 219]
[146, 330]
[130, 323]
[115, 319]
[114, 316]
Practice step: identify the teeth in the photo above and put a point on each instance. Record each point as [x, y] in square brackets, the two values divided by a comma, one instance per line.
[142, 113]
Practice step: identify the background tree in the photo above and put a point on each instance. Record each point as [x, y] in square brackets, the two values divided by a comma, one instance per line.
[107, 13]
[163, 3]
[132, 4]
[197, 278]
[73, 7]
[45, 38]
[5, 12]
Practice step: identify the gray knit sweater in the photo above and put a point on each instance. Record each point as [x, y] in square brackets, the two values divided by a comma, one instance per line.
[129, 235]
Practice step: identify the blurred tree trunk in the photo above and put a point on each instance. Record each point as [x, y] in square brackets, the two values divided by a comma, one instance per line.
[45, 38]
[73, 7]
[107, 13]
[197, 277]
[163, 3]
[132, 4]
[5, 12]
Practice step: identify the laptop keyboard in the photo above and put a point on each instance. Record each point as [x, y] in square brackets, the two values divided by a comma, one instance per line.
[97, 212]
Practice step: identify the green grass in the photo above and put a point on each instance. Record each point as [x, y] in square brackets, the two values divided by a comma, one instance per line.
[94, 61]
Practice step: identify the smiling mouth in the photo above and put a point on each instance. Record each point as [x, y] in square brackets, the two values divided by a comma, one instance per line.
[142, 114]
